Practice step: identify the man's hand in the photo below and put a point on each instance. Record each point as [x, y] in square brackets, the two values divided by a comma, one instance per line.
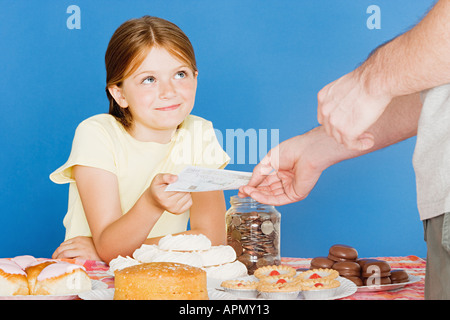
[346, 109]
[289, 171]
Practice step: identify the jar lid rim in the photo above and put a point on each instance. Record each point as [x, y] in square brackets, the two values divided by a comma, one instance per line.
[237, 199]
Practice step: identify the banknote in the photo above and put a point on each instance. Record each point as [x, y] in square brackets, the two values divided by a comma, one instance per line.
[198, 179]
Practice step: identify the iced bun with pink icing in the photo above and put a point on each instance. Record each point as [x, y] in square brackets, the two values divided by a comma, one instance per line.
[25, 275]
[62, 278]
[13, 280]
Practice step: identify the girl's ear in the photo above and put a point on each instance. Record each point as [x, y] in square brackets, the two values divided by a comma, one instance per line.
[118, 96]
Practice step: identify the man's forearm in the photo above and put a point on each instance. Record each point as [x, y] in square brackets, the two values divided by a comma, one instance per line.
[414, 61]
[399, 122]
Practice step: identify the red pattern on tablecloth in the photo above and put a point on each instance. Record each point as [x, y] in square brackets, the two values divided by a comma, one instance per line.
[98, 270]
[411, 264]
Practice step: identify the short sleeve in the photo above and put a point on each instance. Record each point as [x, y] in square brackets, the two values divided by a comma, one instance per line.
[212, 154]
[92, 147]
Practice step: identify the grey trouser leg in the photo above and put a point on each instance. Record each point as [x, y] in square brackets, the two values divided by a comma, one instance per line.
[437, 277]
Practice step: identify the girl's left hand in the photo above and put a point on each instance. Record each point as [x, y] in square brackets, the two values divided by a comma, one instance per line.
[79, 247]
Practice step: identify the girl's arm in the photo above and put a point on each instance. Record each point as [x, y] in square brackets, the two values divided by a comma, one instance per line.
[114, 233]
[207, 217]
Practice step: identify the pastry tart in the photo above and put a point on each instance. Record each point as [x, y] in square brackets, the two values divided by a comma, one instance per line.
[319, 284]
[276, 272]
[241, 288]
[279, 289]
[239, 284]
[321, 274]
[319, 289]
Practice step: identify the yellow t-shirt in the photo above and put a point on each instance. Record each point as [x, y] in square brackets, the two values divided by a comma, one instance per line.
[102, 142]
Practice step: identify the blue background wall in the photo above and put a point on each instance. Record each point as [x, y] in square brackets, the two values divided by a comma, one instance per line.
[261, 65]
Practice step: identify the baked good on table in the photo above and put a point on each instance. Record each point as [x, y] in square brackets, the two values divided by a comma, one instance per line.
[122, 262]
[24, 261]
[185, 242]
[26, 275]
[356, 280]
[217, 255]
[219, 262]
[321, 263]
[363, 261]
[145, 253]
[33, 270]
[375, 267]
[62, 278]
[160, 281]
[279, 289]
[226, 271]
[342, 252]
[319, 288]
[319, 284]
[348, 268]
[314, 274]
[399, 276]
[361, 271]
[275, 271]
[241, 288]
[376, 272]
[13, 280]
[190, 258]
[239, 284]
[376, 281]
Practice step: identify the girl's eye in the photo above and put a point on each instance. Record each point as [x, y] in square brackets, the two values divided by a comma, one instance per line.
[149, 80]
[180, 75]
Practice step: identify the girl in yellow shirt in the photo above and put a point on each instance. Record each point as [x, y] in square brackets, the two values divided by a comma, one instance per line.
[121, 162]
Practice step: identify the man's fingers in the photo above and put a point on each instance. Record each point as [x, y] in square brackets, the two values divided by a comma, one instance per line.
[364, 142]
[260, 172]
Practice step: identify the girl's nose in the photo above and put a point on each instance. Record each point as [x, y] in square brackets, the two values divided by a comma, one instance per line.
[166, 90]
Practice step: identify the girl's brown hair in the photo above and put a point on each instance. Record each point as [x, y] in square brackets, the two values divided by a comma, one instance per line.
[128, 48]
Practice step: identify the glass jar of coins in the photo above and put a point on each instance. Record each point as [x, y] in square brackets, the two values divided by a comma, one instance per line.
[253, 230]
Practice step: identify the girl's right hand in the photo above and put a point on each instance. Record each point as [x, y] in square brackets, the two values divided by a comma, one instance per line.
[172, 201]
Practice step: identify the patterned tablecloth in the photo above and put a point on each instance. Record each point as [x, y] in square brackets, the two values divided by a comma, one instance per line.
[413, 265]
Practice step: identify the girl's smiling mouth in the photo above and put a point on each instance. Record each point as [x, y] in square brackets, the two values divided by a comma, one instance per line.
[169, 108]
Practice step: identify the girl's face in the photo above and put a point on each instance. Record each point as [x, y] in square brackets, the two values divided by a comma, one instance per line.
[159, 95]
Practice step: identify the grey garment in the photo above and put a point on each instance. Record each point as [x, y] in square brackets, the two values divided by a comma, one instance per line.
[432, 153]
[437, 276]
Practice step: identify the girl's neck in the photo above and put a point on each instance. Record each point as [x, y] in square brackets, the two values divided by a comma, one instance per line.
[151, 135]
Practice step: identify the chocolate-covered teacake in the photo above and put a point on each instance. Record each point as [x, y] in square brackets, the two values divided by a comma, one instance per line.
[342, 252]
[362, 271]
[347, 268]
[378, 268]
[399, 276]
[321, 263]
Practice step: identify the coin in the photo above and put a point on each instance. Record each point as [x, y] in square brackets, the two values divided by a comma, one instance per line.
[246, 260]
[236, 245]
[236, 235]
[236, 221]
[249, 215]
[267, 227]
[254, 235]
